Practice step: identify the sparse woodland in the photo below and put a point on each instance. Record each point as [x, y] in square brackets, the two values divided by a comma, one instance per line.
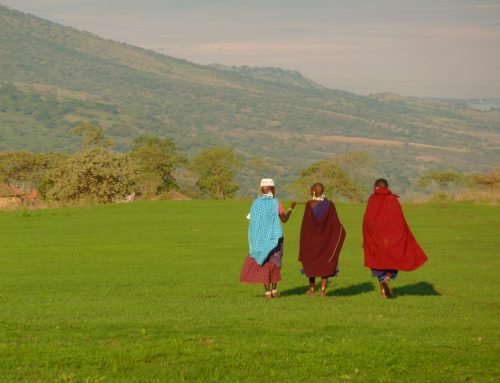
[53, 78]
[155, 167]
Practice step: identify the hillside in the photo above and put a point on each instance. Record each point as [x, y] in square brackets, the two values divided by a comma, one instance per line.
[53, 76]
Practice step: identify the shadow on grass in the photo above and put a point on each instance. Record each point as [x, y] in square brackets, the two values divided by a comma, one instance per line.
[357, 289]
[420, 288]
[360, 288]
[301, 290]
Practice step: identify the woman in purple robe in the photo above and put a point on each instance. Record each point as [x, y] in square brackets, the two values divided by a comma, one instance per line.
[321, 239]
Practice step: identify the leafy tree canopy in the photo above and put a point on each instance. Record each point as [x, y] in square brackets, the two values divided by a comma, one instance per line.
[155, 160]
[490, 180]
[343, 176]
[216, 169]
[337, 182]
[27, 168]
[92, 135]
[93, 176]
[443, 179]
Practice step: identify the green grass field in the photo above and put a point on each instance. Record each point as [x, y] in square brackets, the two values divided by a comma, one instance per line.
[150, 292]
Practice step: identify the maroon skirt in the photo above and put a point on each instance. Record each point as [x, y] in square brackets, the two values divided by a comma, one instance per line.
[269, 272]
[252, 272]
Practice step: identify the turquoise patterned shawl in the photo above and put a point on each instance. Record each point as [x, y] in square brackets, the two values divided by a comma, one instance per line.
[265, 229]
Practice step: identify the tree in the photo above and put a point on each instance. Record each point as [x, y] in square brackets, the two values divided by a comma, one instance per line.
[335, 179]
[155, 161]
[93, 136]
[488, 181]
[216, 169]
[94, 176]
[27, 168]
[443, 179]
[344, 175]
[359, 165]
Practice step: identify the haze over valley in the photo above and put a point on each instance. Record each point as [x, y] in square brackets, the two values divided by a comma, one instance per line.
[53, 77]
[445, 48]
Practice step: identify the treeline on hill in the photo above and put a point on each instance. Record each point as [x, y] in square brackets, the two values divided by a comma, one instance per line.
[53, 77]
[155, 168]
[95, 174]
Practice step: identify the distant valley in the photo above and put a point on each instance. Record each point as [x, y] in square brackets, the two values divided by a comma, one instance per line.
[52, 77]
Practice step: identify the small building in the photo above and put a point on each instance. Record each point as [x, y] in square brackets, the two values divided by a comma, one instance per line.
[12, 197]
[9, 197]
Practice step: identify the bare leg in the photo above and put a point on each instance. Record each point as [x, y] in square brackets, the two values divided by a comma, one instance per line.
[312, 286]
[383, 294]
[385, 284]
[274, 291]
[267, 288]
[324, 283]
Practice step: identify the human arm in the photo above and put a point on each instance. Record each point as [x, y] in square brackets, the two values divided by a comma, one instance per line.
[285, 216]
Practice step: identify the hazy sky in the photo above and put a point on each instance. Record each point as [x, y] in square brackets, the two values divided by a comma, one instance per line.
[437, 48]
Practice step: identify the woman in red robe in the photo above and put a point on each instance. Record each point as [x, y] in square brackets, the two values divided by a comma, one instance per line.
[389, 245]
[321, 239]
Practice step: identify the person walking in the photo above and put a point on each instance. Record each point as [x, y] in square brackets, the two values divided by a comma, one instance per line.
[321, 239]
[388, 243]
[265, 238]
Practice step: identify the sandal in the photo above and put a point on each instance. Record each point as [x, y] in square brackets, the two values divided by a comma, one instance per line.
[310, 293]
[275, 294]
[268, 295]
[383, 294]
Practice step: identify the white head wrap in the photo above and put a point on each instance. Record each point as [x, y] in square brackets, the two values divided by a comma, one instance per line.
[266, 182]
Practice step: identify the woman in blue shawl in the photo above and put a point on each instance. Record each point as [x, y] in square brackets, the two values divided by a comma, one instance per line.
[265, 238]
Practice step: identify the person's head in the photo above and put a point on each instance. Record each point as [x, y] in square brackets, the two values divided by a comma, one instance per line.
[267, 189]
[381, 183]
[267, 185]
[317, 189]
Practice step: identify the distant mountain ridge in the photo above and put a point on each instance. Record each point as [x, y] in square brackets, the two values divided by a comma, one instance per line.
[52, 76]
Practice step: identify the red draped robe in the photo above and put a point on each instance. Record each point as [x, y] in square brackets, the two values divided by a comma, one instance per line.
[321, 239]
[388, 242]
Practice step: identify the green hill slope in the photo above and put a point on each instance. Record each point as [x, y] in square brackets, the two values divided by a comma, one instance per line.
[53, 76]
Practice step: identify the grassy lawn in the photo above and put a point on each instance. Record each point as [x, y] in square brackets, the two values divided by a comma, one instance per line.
[150, 292]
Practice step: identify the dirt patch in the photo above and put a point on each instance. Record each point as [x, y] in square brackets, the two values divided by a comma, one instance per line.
[428, 158]
[343, 139]
[10, 203]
